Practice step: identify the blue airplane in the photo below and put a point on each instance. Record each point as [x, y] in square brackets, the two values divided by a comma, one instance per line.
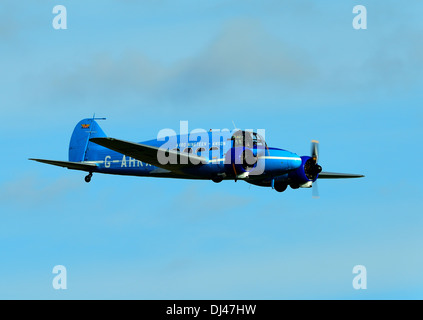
[212, 155]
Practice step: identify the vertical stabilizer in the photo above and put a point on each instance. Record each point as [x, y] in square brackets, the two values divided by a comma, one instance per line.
[80, 148]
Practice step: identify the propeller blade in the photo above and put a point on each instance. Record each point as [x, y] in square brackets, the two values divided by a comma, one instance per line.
[317, 169]
[315, 191]
[315, 150]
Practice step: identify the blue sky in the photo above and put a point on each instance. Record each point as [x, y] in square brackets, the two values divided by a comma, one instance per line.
[294, 68]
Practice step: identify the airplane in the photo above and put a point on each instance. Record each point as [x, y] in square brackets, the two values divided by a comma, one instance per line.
[216, 156]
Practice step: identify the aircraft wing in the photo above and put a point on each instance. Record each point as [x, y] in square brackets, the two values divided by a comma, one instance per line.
[70, 165]
[334, 175]
[148, 154]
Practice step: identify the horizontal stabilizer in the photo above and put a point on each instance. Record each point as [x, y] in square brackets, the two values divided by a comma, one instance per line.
[334, 175]
[90, 167]
[148, 154]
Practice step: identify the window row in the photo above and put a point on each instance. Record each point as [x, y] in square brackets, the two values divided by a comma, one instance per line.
[197, 152]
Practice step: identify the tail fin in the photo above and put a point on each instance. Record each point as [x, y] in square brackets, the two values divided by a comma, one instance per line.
[80, 147]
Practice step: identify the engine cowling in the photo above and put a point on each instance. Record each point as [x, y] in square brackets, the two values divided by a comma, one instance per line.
[306, 174]
[240, 160]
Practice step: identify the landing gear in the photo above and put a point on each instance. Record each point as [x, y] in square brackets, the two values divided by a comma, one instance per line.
[280, 187]
[88, 177]
[294, 186]
[217, 179]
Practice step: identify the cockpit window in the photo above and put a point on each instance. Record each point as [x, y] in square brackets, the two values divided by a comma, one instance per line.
[259, 140]
[248, 139]
[238, 138]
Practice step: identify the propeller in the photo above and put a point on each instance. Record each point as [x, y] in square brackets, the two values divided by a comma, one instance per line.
[315, 150]
[316, 168]
[315, 190]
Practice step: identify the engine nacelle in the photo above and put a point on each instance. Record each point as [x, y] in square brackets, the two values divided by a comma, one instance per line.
[306, 174]
[239, 160]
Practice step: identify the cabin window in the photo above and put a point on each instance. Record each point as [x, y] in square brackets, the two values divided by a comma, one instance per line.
[188, 150]
[214, 152]
[200, 151]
